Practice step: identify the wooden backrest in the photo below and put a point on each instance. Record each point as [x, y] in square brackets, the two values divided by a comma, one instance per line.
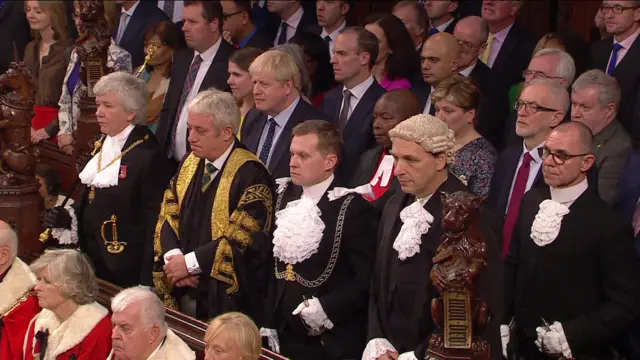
[190, 330]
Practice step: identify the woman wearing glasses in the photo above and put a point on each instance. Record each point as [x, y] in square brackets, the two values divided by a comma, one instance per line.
[457, 101]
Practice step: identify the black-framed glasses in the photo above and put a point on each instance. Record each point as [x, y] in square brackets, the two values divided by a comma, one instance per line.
[559, 157]
[538, 75]
[226, 17]
[617, 9]
[531, 107]
[467, 46]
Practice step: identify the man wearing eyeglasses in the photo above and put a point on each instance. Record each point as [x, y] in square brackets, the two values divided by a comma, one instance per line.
[620, 58]
[541, 107]
[238, 27]
[571, 283]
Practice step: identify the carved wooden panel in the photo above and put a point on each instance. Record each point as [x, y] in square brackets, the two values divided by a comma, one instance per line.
[20, 207]
[63, 164]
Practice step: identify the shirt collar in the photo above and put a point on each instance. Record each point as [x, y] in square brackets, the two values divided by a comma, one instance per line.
[467, 71]
[131, 9]
[359, 90]
[626, 43]
[210, 53]
[122, 137]
[424, 200]
[502, 34]
[442, 27]
[294, 20]
[535, 152]
[282, 118]
[566, 196]
[244, 41]
[219, 162]
[335, 33]
[155, 352]
[315, 192]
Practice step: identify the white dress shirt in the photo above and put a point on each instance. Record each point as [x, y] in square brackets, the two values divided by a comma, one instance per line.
[466, 72]
[535, 165]
[193, 267]
[292, 24]
[333, 36]
[281, 121]
[427, 106]
[180, 147]
[626, 44]
[178, 5]
[317, 191]
[496, 45]
[357, 92]
[567, 196]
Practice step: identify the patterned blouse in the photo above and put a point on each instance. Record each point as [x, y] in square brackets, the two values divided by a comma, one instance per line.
[118, 59]
[474, 165]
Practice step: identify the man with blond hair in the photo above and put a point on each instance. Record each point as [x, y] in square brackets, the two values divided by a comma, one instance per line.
[278, 108]
[17, 306]
[212, 249]
[140, 331]
[400, 319]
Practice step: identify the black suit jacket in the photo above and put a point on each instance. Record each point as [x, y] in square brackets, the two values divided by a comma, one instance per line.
[259, 41]
[145, 15]
[345, 292]
[216, 77]
[15, 30]
[514, 55]
[494, 103]
[422, 94]
[308, 20]
[366, 168]
[256, 120]
[135, 201]
[358, 133]
[586, 279]
[628, 75]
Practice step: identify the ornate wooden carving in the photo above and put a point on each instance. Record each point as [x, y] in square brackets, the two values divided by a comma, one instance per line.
[462, 254]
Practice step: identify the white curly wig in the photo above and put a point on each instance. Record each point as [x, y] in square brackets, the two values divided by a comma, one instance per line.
[427, 131]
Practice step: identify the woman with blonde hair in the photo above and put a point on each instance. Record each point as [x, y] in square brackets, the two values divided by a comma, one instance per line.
[71, 324]
[457, 102]
[232, 336]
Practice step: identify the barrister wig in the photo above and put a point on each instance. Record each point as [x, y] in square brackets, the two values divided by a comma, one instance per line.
[427, 131]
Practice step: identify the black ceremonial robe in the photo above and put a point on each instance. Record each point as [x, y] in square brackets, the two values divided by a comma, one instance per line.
[399, 307]
[341, 286]
[228, 227]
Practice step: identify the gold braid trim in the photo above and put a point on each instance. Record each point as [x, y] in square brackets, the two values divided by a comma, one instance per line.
[15, 305]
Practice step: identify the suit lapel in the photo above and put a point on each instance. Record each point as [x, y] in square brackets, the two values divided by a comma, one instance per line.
[510, 43]
[252, 140]
[222, 55]
[364, 107]
[628, 64]
[512, 157]
[282, 145]
[136, 23]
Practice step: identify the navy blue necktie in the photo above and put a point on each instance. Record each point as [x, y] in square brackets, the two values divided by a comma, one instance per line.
[433, 31]
[614, 58]
[282, 38]
[268, 141]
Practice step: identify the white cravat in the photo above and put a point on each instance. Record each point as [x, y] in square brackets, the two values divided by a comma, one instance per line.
[111, 150]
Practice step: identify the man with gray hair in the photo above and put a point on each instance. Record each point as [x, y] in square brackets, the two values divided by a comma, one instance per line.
[122, 186]
[140, 331]
[595, 100]
[399, 308]
[212, 248]
[17, 305]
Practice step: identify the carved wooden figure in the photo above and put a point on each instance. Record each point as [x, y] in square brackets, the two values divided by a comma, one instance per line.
[461, 256]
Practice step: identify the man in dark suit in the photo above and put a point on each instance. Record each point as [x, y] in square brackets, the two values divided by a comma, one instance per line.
[266, 130]
[472, 33]
[571, 262]
[442, 16]
[238, 27]
[623, 22]
[135, 17]
[319, 311]
[509, 47]
[350, 107]
[294, 19]
[415, 18]
[203, 65]
[595, 97]
[331, 16]
[15, 31]
[541, 107]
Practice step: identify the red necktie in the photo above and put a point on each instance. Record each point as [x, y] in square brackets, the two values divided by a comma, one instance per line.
[519, 188]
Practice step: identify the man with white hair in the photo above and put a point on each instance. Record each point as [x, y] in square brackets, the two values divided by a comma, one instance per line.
[212, 248]
[400, 319]
[122, 186]
[17, 305]
[140, 331]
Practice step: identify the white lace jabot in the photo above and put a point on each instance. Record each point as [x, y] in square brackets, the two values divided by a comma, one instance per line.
[298, 231]
[111, 149]
[416, 221]
[547, 223]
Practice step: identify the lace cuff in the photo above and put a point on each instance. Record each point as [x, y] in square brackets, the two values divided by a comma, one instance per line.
[376, 347]
[409, 355]
[67, 236]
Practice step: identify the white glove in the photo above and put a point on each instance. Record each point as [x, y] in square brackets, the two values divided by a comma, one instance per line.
[409, 355]
[552, 341]
[313, 315]
[272, 338]
[504, 338]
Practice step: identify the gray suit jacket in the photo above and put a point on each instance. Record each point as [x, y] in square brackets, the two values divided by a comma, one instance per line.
[612, 148]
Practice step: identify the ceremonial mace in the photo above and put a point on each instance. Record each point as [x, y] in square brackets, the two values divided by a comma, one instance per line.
[151, 49]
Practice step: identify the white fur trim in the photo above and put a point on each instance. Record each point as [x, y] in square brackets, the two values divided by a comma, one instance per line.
[376, 347]
[547, 223]
[67, 236]
[17, 282]
[173, 348]
[416, 221]
[66, 335]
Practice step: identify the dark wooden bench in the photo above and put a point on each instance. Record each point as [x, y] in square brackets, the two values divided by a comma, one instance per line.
[189, 329]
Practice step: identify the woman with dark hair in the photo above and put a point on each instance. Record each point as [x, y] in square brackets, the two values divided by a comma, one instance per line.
[161, 40]
[240, 81]
[318, 61]
[397, 60]
[50, 190]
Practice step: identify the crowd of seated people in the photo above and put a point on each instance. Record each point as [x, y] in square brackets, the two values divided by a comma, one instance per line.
[277, 168]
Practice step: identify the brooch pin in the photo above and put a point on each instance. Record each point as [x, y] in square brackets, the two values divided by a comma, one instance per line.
[123, 171]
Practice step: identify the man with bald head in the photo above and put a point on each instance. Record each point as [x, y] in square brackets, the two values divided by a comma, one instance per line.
[471, 33]
[375, 168]
[541, 107]
[17, 305]
[571, 273]
[439, 59]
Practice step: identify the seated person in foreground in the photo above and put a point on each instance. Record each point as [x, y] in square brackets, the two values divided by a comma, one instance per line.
[232, 336]
[71, 325]
[140, 330]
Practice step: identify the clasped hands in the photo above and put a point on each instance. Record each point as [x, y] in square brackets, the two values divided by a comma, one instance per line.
[177, 273]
